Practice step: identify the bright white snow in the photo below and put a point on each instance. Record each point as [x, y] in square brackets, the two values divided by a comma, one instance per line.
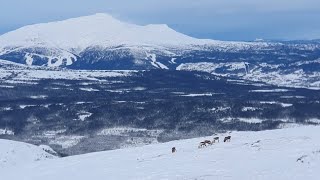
[65, 40]
[283, 154]
[245, 109]
[297, 78]
[83, 115]
[197, 95]
[76, 34]
[88, 89]
[277, 103]
[124, 131]
[14, 154]
[154, 62]
[6, 132]
[14, 73]
[269, 90]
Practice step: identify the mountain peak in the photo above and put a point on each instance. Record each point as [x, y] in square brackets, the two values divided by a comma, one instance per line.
[95, 18]
[101, 15]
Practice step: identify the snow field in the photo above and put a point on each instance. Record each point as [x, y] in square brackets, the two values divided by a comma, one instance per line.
[292, 153]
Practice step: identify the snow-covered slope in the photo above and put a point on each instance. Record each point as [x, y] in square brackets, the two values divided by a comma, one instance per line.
[13, 154]
[289, 75]
[277, 154]
[14, 73]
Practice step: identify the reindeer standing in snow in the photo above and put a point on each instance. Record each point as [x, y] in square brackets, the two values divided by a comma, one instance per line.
[215, 139]
[173, 150]
[227, 139]
[204, 143]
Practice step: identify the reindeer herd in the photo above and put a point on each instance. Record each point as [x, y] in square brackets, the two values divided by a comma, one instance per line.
[215, 139]
[207, 142]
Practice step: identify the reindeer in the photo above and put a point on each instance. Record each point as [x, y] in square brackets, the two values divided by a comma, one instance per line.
[215, 139]
[173, 150]
[204, 143]
[227, 139]
[208, 142]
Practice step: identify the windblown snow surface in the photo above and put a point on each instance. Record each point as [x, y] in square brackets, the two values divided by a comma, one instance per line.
[291, 153]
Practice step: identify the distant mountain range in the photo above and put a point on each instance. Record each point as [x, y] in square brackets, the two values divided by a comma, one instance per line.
[101, 42]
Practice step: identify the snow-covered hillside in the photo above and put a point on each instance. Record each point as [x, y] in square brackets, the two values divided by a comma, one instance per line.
[15, 154]
[289, 75]
[14, 73]
[292, 153]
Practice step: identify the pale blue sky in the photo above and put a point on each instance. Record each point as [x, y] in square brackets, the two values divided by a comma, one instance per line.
[215, 19]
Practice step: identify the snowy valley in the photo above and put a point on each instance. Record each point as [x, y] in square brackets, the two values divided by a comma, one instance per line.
[82, 111]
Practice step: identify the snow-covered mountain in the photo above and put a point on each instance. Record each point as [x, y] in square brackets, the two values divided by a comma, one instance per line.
[100, 37]
[63, 41]
[101, 42]
[97, 30]
[283, 154]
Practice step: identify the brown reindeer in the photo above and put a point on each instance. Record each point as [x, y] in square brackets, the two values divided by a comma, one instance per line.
[204, 143]
[227, 139]
[215, 139]
[208, 142]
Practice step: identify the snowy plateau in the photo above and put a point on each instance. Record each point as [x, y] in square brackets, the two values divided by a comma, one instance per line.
[284, 154]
